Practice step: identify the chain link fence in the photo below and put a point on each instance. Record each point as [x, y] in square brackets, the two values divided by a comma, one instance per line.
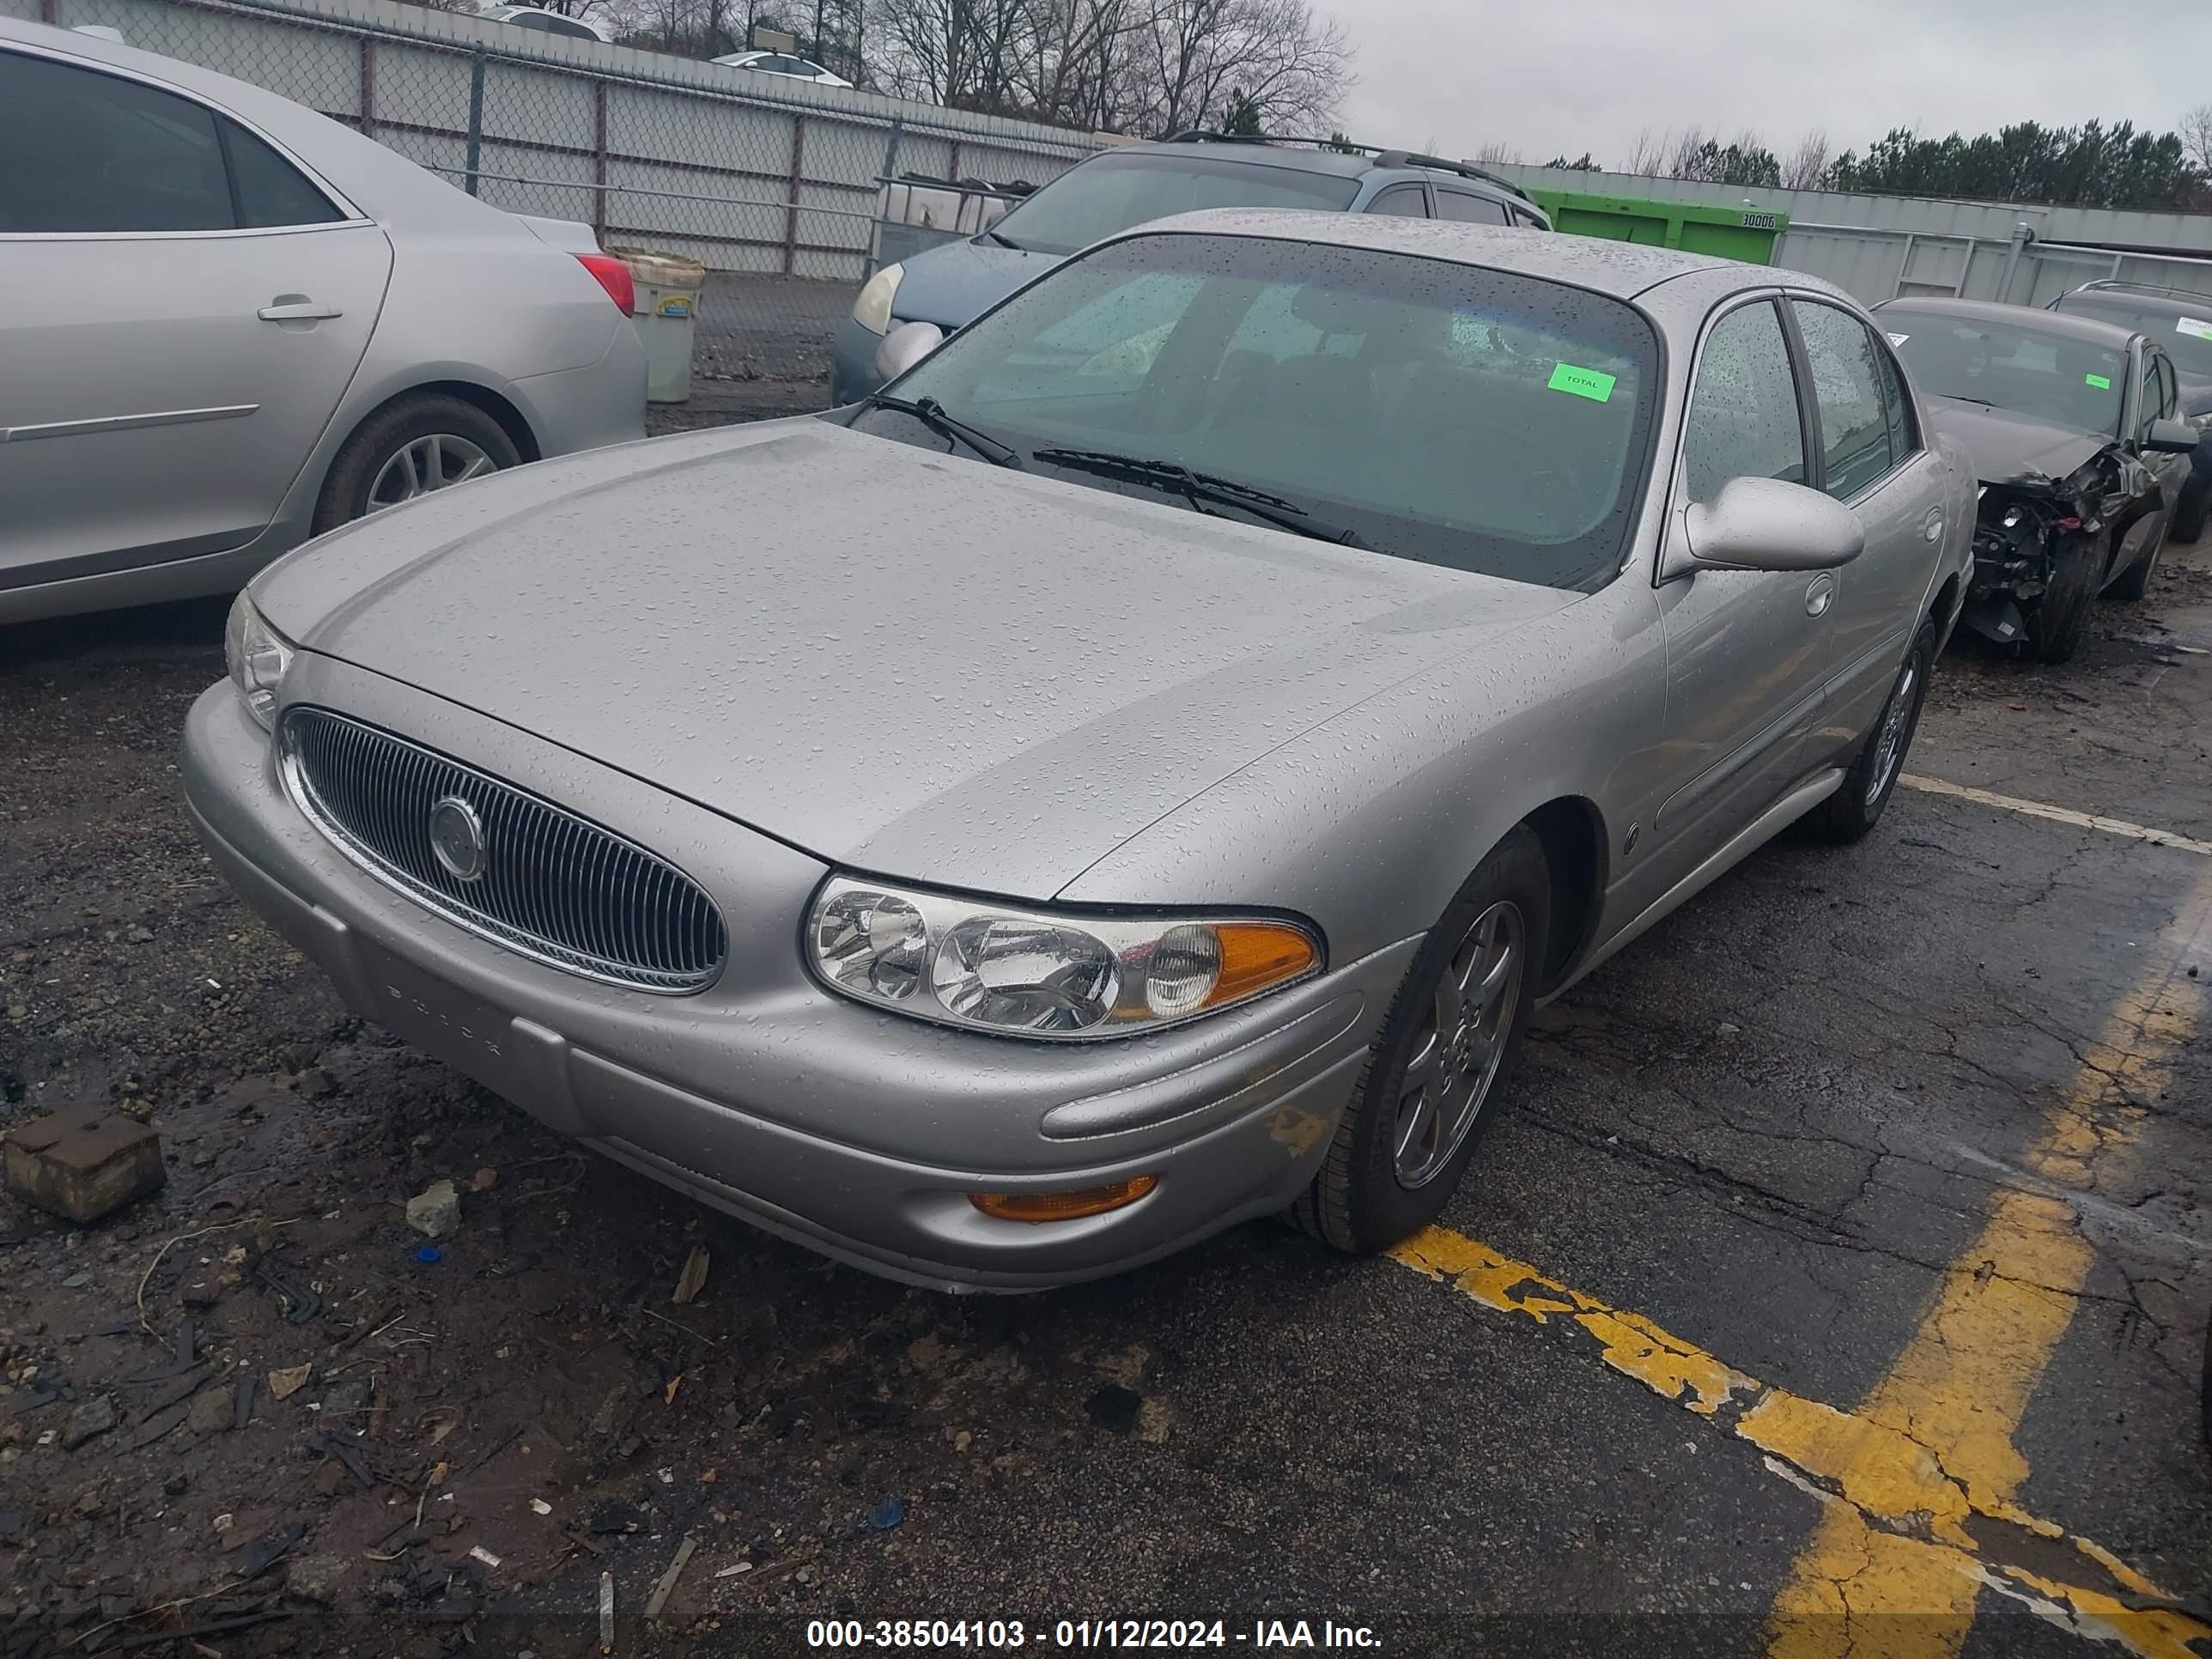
[775, 186]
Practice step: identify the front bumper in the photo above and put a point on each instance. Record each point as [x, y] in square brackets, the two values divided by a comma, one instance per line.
[856, 1133]
[853, 362]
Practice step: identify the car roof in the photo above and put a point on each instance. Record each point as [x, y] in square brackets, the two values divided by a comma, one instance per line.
[2167, 301]
[2065, 324]
[1622, 269]
[1314, 158]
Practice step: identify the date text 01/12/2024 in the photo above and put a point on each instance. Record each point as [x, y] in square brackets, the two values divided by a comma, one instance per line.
[1166, 1634]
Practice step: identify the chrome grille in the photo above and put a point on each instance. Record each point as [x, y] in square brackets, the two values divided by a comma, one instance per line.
[553, 886]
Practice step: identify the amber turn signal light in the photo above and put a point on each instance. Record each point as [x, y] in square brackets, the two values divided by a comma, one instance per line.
[1064, 1206]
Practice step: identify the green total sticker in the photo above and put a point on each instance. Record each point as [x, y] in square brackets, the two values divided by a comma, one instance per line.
[2098, 381]
[1593, 384]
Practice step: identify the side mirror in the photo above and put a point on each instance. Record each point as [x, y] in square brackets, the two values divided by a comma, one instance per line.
[905, 346]
[2171, 437]
[1763, 523]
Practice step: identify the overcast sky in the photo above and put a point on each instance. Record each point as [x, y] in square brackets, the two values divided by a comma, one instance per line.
[1577, 75]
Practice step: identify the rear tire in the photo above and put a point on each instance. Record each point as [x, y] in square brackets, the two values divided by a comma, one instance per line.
[1430, 1086]
[2191, 512]
[414, 445]
[1856, 806]
[2057, 620]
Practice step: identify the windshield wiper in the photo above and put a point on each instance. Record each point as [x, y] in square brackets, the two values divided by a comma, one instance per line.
[932, 414]
[1006, 241]
[1175, 479]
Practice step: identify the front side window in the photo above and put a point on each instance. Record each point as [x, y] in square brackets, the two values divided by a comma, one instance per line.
[1109, 193]
[1897, 402]
[1743, 420]
[1847, 391]
[1474, 419]
[2051, 375]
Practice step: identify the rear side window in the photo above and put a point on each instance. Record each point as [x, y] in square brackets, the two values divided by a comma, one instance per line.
[93, 153]
[1469, 209]
[1743, 421]
[1847, 388]
[1407, 201]
[88, 152]
[1897, 403]
[270, 190]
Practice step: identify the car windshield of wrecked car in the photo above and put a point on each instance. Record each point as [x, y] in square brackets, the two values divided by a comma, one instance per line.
[1106, 196]
[2187, 339]
[2005, 366]
[1472, 418]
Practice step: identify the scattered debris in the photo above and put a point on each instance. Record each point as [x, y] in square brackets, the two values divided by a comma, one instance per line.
[289, 1380]
[668, 1394]
[299, 1303]
[349, 1397]
[616, 1518]
[260, 1555]
[668, 1579]
[152, 1428]
[478, 1553]
[94, 1417]
[435, 1212]
[606, 1613]
[316, 1577]
[241, 1400]
[540, 1506]
[888, 1513]
[734, 1569]
[209, 1412]
[692, 1279]
[430, 1255]
[483, 1180]
[83, 1162]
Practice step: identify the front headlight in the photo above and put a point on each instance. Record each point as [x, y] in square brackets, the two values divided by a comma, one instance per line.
[2202, 420]
[257, 655]
[1002, 968]
[872, 309]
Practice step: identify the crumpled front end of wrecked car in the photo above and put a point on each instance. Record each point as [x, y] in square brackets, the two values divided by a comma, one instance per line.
[2026, 523]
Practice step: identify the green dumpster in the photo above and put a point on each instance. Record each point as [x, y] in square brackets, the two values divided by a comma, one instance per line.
[1733, 233]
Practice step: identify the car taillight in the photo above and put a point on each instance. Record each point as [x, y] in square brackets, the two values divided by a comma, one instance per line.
[614, 276]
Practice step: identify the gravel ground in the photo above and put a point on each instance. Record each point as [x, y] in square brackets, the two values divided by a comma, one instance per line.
[1252, 1428]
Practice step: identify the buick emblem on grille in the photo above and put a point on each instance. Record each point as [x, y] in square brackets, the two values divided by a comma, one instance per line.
[457, 837]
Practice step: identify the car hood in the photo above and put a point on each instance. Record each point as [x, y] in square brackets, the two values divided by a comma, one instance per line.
[955, 282]
[891, 658]
[2004, 444]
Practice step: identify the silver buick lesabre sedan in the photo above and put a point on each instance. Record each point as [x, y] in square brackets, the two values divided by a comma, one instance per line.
[1135, 773]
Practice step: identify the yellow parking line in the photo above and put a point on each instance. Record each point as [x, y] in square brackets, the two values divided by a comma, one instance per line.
[2036, 809]
[1920, 1485]
[1963, 1382]
[1912, 1523]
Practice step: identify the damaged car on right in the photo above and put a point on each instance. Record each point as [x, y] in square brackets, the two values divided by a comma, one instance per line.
[2070, 425]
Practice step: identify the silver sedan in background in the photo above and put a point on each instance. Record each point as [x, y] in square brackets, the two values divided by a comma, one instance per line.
[228, 323]
[1136, 772]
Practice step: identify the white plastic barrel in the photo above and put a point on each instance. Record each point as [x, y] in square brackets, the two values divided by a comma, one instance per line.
[666, 308]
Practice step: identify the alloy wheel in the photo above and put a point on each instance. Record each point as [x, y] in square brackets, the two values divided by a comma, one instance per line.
[1889, 751]
[425, 463]
[1460, 1043]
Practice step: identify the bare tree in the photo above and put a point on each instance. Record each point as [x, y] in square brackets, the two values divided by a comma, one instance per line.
[1648, 158]
[1685, 153]
[2196, 136]
[1495, 153]
[1808, 165]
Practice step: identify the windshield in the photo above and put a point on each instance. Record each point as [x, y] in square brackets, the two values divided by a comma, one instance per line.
[1105, 197]
[1470, 418]
[2008, 366]
[2187, 337]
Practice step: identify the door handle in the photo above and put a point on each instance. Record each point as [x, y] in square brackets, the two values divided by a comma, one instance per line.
[297, 311]
[1817, 595]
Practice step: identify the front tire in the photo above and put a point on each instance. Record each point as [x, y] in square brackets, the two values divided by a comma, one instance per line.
[2057, 620]
[414, 445]
[1427, 1092]
[1856, 806]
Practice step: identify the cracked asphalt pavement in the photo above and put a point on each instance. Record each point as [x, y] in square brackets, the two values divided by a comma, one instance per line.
[1835, 1281]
